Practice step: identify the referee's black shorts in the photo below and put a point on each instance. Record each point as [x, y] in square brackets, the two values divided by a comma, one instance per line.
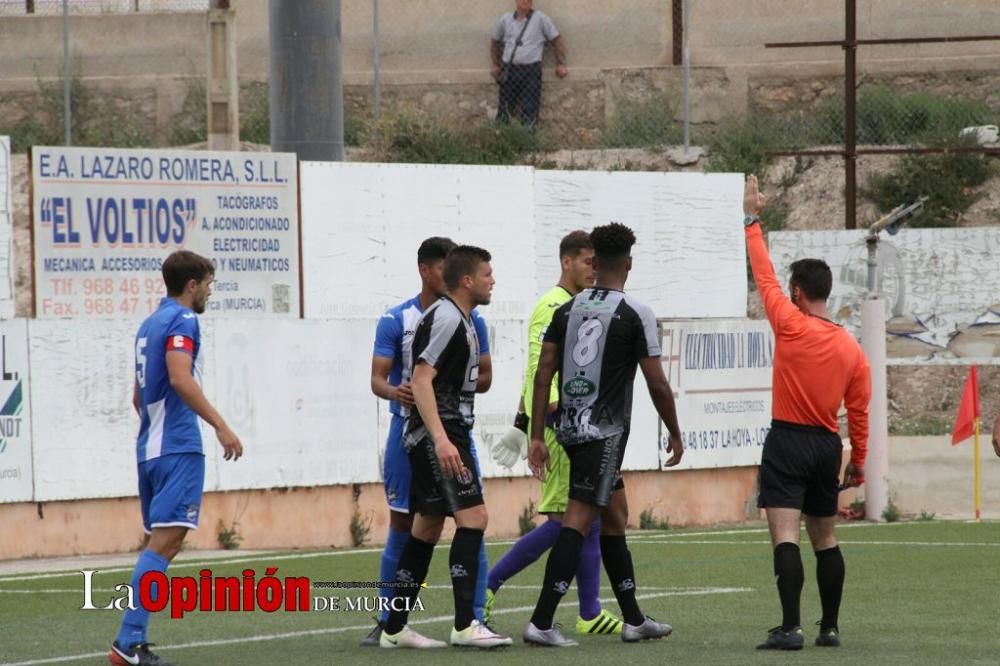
[800, 469]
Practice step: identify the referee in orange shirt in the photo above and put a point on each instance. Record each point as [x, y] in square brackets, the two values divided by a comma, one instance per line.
[817, 366]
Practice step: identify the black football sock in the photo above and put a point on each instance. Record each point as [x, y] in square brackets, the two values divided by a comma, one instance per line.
[618, 563]
[789, 576]
[559, 571]
[463, 561]
[412, 569]
[830, 574]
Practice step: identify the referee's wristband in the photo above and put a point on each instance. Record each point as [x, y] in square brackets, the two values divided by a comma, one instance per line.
[750, 219]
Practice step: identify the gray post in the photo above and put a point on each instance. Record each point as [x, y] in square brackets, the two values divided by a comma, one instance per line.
[307, 96]
[223, 89]
[376, 64]
[67, 80]
[687, 79]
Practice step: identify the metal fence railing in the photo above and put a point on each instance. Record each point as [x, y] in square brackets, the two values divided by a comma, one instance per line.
[76, 7]
[420, 85]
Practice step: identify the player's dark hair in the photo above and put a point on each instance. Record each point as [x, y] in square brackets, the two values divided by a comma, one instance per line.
[434, 249]
[182, 266]
[574, 243]
[612, 243]
[813, 277]
[463, 260]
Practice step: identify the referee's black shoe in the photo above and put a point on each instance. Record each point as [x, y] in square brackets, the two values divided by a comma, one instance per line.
[779, 639]
[828, 637]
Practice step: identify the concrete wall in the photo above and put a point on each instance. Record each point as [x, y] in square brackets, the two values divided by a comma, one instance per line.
[929, 474]
[926, 474]
[321, 517]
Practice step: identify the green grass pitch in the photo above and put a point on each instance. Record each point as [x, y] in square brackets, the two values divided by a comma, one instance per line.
[916, 593]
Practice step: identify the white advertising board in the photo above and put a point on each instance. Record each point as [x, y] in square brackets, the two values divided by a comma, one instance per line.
[940, 285]
[85, 426]
[6, 231]
[295, 392]
[16, 476]
[362, 225]
[689, 259]
[720, 371]
[104, 220]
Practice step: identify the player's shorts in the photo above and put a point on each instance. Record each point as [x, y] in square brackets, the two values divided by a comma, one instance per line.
[170, 490]
[595, 469]
[555, 487]
[800, 469]
[396, 470]
[431, 493]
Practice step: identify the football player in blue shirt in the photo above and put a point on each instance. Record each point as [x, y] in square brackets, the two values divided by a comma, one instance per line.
[390, 380]
[168, 397]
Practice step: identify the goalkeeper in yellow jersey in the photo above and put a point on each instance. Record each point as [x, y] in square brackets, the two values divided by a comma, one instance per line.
[576, 257]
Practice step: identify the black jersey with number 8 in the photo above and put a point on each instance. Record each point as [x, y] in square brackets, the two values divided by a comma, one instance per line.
[602, 334]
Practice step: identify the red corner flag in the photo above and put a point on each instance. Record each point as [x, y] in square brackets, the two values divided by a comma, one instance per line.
[968, 409]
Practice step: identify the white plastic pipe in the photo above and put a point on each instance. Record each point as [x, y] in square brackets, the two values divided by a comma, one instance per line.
[877, 465]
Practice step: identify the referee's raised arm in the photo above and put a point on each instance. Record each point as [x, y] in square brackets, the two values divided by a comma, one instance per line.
[781, 312]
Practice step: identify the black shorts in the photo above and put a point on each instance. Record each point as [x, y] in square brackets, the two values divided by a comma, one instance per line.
[430, 492]
[800, 469]
[595, 469]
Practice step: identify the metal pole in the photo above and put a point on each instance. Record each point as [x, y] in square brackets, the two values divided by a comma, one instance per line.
[307, 96]
[67, 82]
[376, 64]
[850, 116]
[877, 463]
[687, 79]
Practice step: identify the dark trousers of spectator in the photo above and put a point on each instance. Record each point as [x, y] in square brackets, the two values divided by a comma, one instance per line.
[521, 94]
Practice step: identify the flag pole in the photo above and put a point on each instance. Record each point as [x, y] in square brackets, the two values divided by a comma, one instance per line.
[976, 465]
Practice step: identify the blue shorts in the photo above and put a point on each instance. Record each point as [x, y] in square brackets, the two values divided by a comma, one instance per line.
[396, 467]
[170, 490]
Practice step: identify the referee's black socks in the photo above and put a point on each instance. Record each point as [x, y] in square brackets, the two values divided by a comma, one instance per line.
[789, 576]
[830, 578]
[412, 568]
[559, 571]
[463, 562]
[618, 564]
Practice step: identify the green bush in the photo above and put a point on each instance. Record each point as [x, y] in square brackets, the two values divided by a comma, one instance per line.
[414, 137]
[641, 123]
[649, 521]
[191, 125]
[884, 117]
[946, 180]
[255, 113]
[526, 521]
[740, 147]
[891, 512]
[93, 124]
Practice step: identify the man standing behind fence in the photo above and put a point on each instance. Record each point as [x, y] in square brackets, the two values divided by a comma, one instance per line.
[817, 366]
[516, 52]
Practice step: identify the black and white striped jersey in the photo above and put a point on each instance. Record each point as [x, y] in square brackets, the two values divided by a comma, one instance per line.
[446, 339]
[602, 334]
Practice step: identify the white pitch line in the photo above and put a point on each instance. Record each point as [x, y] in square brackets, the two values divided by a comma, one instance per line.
[634, 537]
[201, 563]
[759, 530]
[239, 560]
[365, 627]
[719, 542]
